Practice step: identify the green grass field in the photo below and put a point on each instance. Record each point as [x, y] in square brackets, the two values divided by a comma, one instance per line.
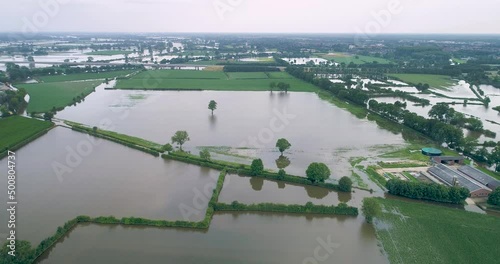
[45, 96]
[108, 52]
[424, 233]
[348, 58]
[207, 80]
[15, 129]
[247, 75]
[435, 81]
[83, 76]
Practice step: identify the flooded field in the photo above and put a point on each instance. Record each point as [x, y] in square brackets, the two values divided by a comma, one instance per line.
[247, 122]
[250, 190]
[81, 175]
[232, 238]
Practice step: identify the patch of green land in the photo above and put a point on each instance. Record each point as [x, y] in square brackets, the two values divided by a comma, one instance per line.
[209, 80]
[435, 81]
[83, 76]
[348, 58]
[424, 233]
[16, 129]
[45, 96]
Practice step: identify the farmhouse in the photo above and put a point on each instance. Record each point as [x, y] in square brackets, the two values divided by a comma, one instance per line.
[452, 177]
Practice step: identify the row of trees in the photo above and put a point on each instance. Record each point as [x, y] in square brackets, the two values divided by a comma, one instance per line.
[12, 102]
[426, 191]
[284, 87]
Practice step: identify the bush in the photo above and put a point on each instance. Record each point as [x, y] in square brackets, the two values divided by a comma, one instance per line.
[281, 174]
[318, 172]
[345, 184]
[257, 167]
[494, 197]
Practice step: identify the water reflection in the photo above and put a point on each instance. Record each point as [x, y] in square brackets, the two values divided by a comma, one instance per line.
[317, 193]
[282, 162]
[212, 121]
[345, 197]
[256, 183]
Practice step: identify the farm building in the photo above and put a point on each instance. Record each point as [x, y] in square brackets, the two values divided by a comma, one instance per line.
[480, 176]
[431, 152]
[449, 160]
[451, 177]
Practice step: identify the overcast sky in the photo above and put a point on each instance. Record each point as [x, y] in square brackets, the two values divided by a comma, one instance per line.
[288, 16]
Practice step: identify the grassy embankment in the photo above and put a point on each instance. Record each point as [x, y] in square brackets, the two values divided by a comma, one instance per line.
[424, 233]
[130, 141]
[17, 131]
[211, 80]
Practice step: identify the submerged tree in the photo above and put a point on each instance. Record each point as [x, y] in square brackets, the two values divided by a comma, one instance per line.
[282, 145]
[205, 155]
[180, 138]
[318, 172]
[212, 106]
[257, 167]
[371, 208]
[345, 184]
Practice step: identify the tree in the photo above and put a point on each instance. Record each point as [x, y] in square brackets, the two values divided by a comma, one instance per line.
[345, 184]
[283, 86]
[205, 155]
[24, 253]
[94, 129]
[494, 197]
[318, 172]
[282, 145]
[257, 167]
[48, 116]
[167, 147]
[371, 208]
[281, 174]
[180, 138]
[212, 106]
[272, 86]
[90, 59]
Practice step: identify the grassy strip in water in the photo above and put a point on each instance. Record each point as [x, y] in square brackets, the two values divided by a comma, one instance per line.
[244, 170]
[309, 208]
[129, 141]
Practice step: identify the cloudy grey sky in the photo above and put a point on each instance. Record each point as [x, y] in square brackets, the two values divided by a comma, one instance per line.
[313, 16]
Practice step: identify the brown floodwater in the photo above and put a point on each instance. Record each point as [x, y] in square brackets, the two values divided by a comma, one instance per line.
[250, 190]
[317, 130]
[232, 238]
[110, 179]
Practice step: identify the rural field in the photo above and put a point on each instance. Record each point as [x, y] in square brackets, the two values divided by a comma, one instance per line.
[45, 96]
[211, 80]
[15, 129]
[83, 76]
[348, 58]
[414, 232]
[435, 81]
